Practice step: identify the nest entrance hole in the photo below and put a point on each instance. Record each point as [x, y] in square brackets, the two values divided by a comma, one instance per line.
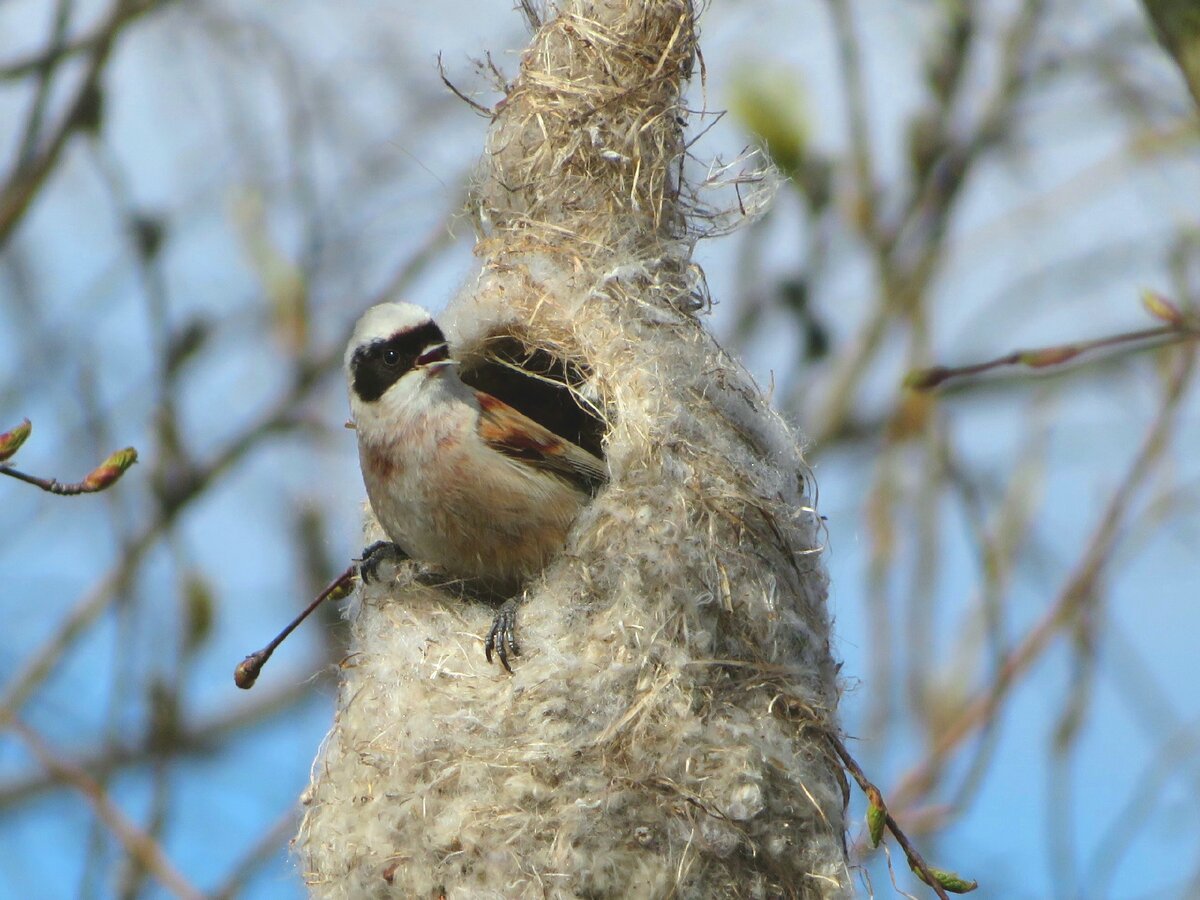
[537, 383]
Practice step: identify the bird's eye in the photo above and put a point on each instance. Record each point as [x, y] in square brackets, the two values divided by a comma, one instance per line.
[391, 357]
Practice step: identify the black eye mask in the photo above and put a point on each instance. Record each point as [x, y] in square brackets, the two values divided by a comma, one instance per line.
[376, 366]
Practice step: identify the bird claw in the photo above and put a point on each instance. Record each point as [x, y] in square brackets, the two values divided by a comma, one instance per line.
[375, 555]
[502, 638]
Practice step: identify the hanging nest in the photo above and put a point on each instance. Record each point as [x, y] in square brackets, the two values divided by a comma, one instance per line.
[662, 733]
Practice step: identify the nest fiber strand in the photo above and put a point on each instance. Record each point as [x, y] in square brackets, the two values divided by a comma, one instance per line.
[662, 733]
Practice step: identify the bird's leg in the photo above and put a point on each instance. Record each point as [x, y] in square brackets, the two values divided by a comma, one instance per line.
[376, 554]
[502, 638]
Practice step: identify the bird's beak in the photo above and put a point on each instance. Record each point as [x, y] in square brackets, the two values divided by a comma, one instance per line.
[436, 356]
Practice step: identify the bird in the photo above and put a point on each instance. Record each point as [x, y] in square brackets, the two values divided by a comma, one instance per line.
[457, 477]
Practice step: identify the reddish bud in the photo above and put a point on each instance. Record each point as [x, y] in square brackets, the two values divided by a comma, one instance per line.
[247, 670]
[11, 441]
[107, 473]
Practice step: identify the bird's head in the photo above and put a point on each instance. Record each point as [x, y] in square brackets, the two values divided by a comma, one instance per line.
[394, 347]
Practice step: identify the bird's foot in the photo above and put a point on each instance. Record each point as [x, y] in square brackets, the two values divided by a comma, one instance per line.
[502, 638]
[377, 554]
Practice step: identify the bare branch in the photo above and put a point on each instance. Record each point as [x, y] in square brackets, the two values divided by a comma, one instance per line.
[1075, 594]
[138, 844]
[1053, 355]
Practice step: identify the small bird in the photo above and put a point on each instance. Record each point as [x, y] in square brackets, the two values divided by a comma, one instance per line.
[457, 477]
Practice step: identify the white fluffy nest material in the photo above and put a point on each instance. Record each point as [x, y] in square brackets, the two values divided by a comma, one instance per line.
[662, 733]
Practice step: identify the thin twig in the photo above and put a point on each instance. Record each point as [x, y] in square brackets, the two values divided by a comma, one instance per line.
[45, 80]
[1075, 593]
[247, 670]
[478, 107]
[102, 477]
[1054, 355]
[272, 840]
[191, 738]
[43, 661]
[21, 187]
[136, 842]
[908, 255]
[915, 860]
[850, 71]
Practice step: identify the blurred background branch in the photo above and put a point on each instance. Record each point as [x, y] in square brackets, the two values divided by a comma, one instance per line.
[197, 199]
[1178, 25]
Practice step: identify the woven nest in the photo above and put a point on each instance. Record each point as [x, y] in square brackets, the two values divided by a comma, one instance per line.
[662, 733]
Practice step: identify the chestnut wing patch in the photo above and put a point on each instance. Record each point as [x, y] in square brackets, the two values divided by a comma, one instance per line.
[515, 435]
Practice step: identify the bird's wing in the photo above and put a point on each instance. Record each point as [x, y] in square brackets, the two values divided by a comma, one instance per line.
[519, 437]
